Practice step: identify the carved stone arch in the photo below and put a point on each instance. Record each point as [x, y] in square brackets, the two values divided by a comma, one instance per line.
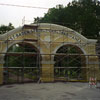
[19, 42]
[48, 46]
[65, 44]
[65, 60]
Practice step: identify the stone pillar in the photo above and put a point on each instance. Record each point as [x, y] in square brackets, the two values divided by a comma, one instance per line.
[47, 71]
[93, 65]
[1, 74]
[1, 70]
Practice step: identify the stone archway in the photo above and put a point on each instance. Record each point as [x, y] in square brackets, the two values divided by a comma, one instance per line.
[70, 63]
[47, 38]
[22, 63]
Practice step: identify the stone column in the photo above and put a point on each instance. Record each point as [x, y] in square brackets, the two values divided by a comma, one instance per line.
[93, 65]
[93, 62]
[1, 70]
[47, 70]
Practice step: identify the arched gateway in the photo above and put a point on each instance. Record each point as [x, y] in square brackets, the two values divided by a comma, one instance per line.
[54, 53]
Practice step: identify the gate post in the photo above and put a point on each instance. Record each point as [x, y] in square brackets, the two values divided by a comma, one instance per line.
[93, 67]
[1, 74]
[47, 71]
[1, 70]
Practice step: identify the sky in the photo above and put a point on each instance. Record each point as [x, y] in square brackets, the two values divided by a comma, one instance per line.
[16, 14]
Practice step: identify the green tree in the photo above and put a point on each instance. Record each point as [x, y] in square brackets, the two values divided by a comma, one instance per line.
[4, 28]
[82, 16]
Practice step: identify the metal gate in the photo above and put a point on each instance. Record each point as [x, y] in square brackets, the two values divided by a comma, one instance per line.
[22, 64]
[70, 64]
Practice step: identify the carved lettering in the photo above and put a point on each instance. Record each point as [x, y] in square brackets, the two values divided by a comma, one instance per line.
[70, 35]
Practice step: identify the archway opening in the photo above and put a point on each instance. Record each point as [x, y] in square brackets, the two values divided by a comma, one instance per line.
[69, 64]
[22, 63]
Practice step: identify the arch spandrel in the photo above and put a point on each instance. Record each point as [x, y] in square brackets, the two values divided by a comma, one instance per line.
[62, 30]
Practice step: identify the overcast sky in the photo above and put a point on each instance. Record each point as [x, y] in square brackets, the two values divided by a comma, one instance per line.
[16, 14]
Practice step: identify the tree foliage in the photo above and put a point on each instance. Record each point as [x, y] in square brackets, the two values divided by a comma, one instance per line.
[83, 17]
[6, 28]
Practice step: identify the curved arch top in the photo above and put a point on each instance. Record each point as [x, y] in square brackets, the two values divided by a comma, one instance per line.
[51, 28]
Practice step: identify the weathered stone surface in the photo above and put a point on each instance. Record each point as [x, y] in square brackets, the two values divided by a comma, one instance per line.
[50, 38]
